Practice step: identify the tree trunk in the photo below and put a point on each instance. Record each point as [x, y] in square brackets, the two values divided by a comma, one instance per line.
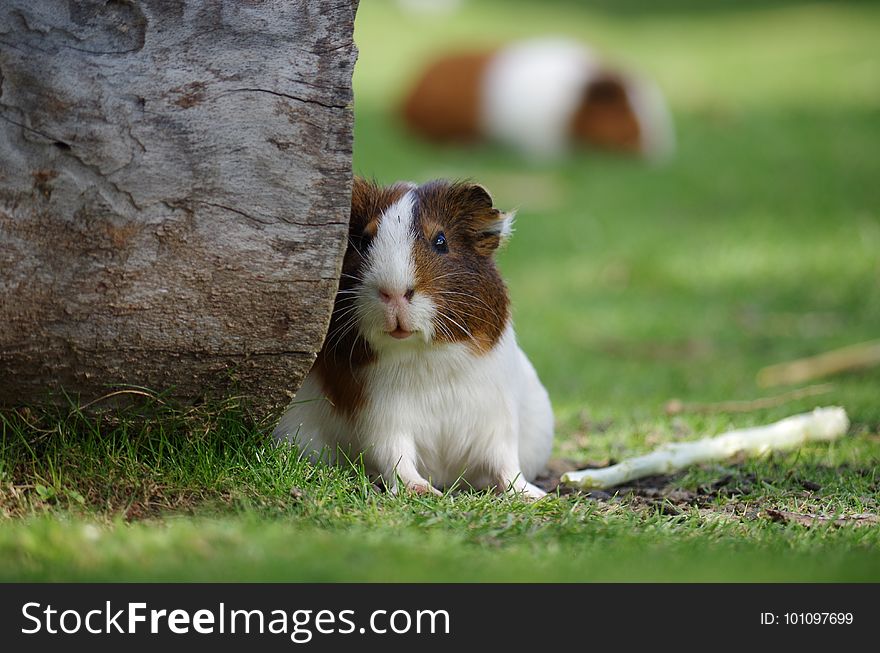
[175, 184]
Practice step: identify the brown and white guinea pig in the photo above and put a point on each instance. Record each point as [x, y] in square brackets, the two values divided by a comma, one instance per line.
[420, 371]
[540, 97]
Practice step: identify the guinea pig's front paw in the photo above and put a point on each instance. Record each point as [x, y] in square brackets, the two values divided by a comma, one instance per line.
[420, 487]
[519, 487]
[423, 488]
[532, 493]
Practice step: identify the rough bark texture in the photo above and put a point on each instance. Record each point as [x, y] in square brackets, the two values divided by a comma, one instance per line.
[174, 193]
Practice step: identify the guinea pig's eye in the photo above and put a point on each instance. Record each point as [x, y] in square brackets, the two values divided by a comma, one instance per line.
[439, 244]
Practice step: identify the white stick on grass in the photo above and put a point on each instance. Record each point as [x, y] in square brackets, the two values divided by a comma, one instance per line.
[789, 433]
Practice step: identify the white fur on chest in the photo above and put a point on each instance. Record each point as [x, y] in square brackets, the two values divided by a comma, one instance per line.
[460, 415]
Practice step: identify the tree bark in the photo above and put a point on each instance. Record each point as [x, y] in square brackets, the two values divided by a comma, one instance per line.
[175, 184]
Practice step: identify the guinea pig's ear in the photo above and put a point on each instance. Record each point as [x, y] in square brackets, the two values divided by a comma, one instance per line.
[490, 227]
[475, 196]
[494, 231]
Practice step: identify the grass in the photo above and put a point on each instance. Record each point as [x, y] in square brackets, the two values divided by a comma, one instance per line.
[632, 285]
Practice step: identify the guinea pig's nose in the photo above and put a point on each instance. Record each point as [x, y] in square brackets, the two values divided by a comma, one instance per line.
[389, 296]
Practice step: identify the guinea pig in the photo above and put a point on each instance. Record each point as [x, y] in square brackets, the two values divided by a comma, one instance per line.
[539, 97]
[420, 373]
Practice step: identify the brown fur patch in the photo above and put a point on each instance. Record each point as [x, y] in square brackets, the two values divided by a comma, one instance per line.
[605, 117]
[465, 285]
[340, 361]
[444, 104]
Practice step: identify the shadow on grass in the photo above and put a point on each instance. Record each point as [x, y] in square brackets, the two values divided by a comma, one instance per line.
[137, 460]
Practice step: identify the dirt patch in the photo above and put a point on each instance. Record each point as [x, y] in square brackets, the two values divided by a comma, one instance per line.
[730, 496]
[652, 487]
[784, 516]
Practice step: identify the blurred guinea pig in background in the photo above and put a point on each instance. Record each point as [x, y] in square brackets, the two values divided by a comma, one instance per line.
[542, 97]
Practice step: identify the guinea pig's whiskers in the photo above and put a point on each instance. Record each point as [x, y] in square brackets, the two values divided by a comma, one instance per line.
[471, 297]
[342, 308]
[347, 298]
[467, 304]
[444, 330]
[334, 349]
[355, 248]
[344, 311]
[461, 294]
[342, 332]
[346, 319]
[463, 316]
[463, 329]
[458, 273]
[342, 318]
[448, 332]
[461, 305]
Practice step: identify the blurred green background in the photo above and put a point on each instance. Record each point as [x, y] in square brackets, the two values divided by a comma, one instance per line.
[634, 283]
